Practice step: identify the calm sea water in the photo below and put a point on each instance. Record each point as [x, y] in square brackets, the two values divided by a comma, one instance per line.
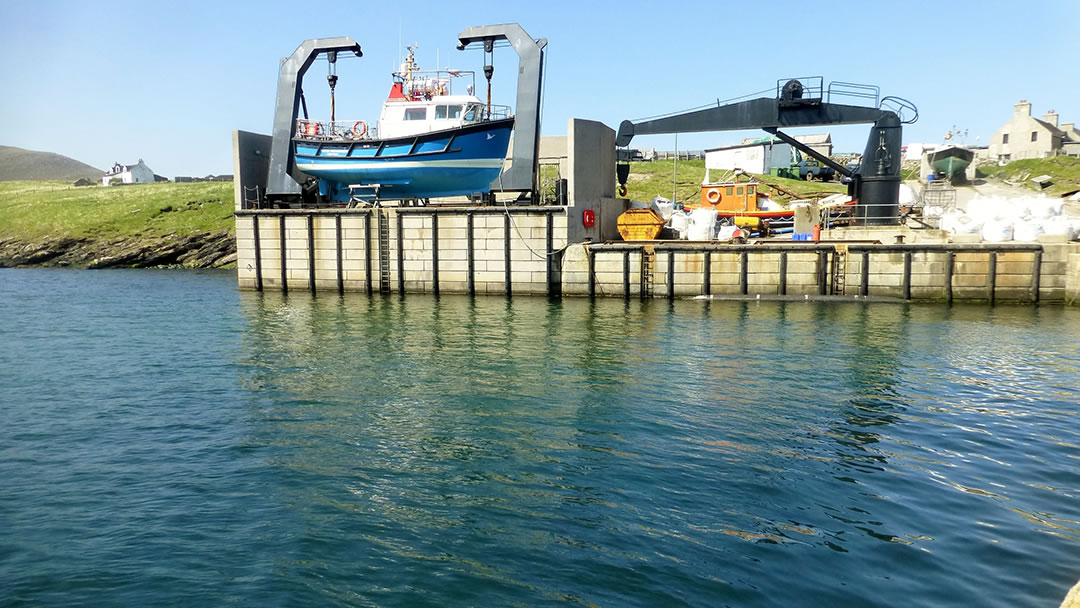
[168, 440]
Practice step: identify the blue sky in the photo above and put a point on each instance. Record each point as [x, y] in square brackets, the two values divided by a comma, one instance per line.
[169, 81]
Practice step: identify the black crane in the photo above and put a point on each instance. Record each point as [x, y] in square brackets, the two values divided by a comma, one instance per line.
[876, 184]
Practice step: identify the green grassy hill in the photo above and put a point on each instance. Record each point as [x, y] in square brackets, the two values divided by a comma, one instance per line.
[140, 225]
[38, 209]
[20, 164]
[649, 179]
[1063, 170]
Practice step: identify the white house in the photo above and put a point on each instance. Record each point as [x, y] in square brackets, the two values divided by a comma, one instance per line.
[757, 156]
[138, 173]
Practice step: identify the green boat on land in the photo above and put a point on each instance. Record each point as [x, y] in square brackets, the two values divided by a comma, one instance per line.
[950, 161]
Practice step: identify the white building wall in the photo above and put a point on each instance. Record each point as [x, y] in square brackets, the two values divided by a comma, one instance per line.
[135, 174]
[755, 159]
[138, 174]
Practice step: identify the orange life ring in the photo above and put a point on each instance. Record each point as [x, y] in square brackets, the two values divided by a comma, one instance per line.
[308, 128]
[359, 128]
[712, 195]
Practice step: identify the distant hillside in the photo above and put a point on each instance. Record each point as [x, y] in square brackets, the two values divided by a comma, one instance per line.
[17, 164]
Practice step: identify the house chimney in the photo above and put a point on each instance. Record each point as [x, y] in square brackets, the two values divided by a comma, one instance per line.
[1067, 127]
[1022, 108]
[1051, 117]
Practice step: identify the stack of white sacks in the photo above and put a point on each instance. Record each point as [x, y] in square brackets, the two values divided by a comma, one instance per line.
[997, 219]
[695, 225]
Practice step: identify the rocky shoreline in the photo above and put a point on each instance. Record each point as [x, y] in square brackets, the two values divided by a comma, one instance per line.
[200, 250]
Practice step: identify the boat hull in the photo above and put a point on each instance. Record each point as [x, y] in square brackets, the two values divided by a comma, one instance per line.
[950, 161]
[453, 162]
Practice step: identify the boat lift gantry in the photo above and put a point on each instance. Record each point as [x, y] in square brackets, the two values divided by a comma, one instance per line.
[875, 186]
[285, 182]
[284, 179]
[522, 174]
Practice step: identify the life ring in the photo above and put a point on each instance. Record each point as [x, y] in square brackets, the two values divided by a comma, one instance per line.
[713, 195]
[622, 190]
[359, 128]
[308, 128]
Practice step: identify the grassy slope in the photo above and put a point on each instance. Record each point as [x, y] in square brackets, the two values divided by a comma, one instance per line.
[649, 179]
[1064, 170]
[36, 210]
[20, 164]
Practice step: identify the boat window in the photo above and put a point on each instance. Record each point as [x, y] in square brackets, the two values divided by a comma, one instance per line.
[739, 192]
[454, 112]
[749, 190]
[730, 190]
[415, 113]
[440, 112]
[475, 113]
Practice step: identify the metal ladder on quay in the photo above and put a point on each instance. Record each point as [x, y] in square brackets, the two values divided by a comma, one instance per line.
[384, 251]
[839, 270]
[648, 265]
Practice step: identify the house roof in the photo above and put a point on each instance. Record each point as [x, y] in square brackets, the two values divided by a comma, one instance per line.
[815, 138]
[1053, 130]
[748, 143]
[123, 167]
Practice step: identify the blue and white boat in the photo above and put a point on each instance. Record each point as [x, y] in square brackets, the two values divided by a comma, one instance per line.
[428, 143]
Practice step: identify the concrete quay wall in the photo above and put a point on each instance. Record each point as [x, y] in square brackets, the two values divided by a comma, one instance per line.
[1047, 271]
[524, 250]
[412, 249]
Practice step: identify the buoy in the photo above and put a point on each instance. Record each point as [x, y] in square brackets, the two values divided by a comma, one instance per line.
[359, 128]
[712, 195]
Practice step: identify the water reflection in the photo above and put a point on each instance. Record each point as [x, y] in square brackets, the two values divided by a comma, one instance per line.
[683, 449]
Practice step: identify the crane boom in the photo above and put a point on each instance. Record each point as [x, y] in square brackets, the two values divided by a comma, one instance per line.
[876, 186]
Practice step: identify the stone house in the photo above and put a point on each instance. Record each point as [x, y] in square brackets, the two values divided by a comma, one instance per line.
[1025, 136]
[137, 173]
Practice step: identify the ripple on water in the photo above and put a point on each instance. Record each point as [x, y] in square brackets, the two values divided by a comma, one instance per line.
[200, 445]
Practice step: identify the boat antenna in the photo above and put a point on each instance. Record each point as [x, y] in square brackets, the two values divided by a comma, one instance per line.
[331, 79]
[489, 69]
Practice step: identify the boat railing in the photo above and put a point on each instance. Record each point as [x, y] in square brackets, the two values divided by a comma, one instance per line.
[352, 130]
[497, 112]
[435, 82]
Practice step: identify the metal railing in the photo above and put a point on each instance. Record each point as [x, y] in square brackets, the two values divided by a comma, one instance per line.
[359, 130]
[351, 130]
[828, 256]
[497, 112]
[854, 90]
